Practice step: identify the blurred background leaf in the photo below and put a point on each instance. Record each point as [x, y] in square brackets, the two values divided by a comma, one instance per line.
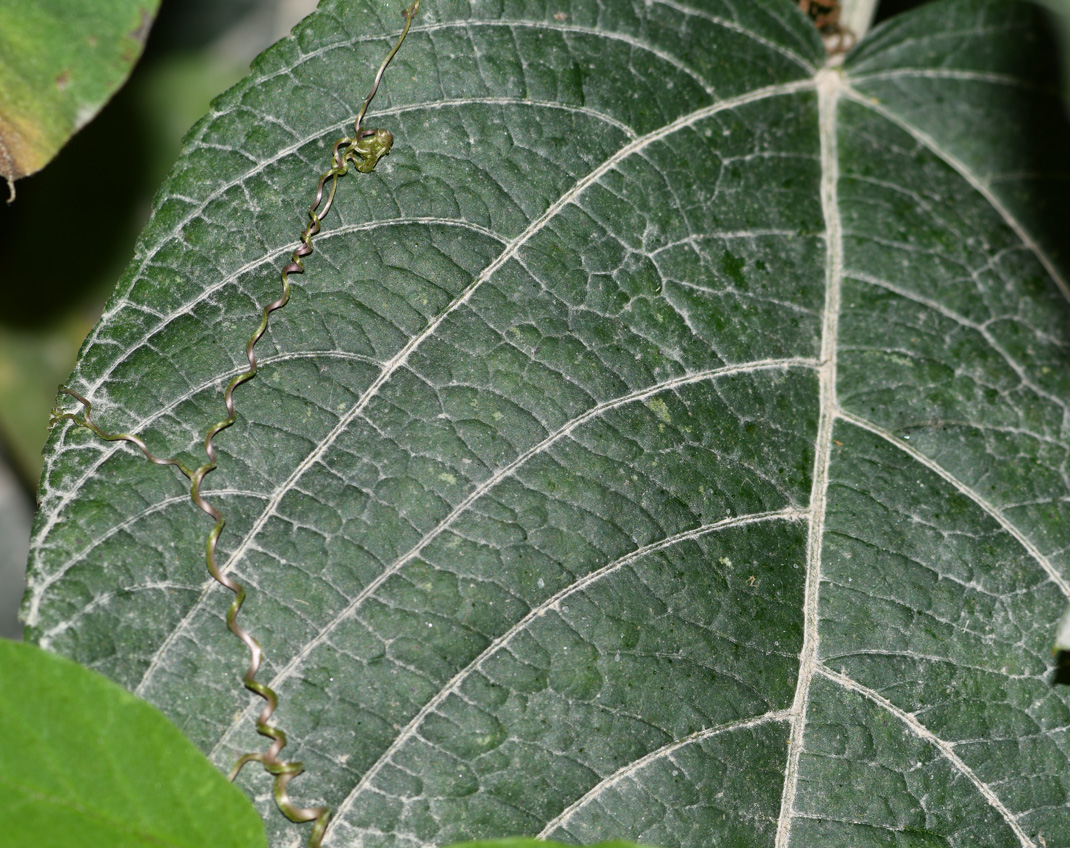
[59, 63]
[15, 517]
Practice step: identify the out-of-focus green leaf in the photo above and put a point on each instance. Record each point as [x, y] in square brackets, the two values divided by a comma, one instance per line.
[84, 763]
[16, 514]
[59, 63]
[670, 440]
[32, 363]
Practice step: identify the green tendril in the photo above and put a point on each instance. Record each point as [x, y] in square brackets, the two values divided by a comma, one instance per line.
[362, 150]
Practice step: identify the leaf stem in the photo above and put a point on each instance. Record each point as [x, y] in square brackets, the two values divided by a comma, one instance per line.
[857, 16]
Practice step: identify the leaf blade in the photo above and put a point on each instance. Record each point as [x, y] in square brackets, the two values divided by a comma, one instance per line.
[561, 405]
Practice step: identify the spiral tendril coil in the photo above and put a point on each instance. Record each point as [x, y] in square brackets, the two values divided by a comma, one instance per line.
[363, 150]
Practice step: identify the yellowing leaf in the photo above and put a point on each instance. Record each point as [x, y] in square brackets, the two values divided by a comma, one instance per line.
[59, 63]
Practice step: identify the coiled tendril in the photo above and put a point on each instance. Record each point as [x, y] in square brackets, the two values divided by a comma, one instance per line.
[363, 150]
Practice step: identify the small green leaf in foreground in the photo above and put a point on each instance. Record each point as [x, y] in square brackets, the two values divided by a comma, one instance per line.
[83, 762]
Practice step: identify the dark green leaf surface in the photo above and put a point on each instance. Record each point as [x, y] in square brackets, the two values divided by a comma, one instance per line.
[83, 762]
[669, 441]
[536, 843]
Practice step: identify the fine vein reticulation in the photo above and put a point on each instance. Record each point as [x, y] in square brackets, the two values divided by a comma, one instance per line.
[363, 150]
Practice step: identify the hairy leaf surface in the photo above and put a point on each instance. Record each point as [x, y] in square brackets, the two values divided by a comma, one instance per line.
[536, 843]
[668, 441]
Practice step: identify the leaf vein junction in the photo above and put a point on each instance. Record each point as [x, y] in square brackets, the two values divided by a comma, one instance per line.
[666, 751]
[945, 748]
[988, 507]
[551, 603]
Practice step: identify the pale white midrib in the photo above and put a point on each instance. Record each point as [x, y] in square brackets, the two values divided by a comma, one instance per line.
[501, 474]
[511, 249]
[970, 177]
[829, 86]
[553, 602]
[986, 506]
[946, 749]
[667, 751]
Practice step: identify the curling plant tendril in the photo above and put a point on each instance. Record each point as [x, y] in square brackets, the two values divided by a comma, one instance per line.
[363, 150]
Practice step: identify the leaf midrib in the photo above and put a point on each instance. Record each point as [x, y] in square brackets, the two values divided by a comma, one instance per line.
[632, 768]
[829, 85]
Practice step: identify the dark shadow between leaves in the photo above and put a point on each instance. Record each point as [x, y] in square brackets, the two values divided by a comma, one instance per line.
[1045, 127]
[1061, 675]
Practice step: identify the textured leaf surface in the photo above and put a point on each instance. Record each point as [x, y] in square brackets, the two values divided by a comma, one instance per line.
[536, 843]
[83, 762]
[667, 442]
[59, 63]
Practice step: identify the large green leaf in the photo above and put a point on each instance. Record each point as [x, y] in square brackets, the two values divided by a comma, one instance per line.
[83, 762]
[536, 843]
[669, 441]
